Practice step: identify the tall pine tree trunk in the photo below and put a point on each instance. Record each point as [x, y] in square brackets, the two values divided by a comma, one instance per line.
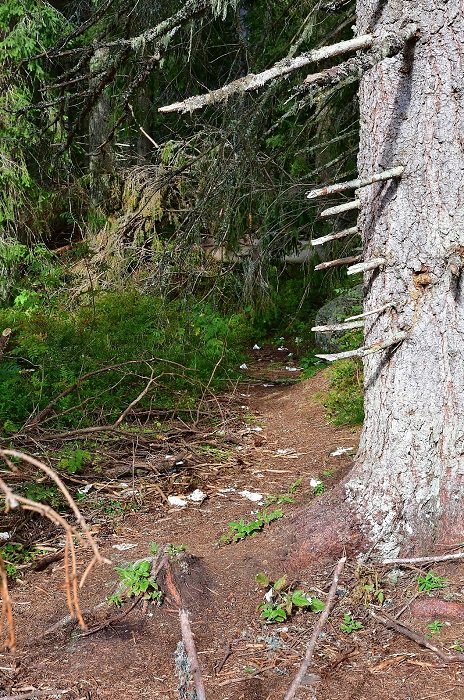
[408, 483]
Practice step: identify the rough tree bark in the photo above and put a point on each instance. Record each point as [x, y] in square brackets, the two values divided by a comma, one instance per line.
[408, 483]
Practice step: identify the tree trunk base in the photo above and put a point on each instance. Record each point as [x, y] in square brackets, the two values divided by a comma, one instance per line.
[321, 534]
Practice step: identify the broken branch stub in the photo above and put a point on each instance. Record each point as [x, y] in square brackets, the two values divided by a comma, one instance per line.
[335, 236]
[355, 184]
[341, 208]
[337, 327]
[366, 266]
[336, 263]
[363, 351]
[254, 81]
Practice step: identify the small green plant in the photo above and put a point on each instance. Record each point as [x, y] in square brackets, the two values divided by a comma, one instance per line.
[318, 488]
[73, 461]
[283, 497]
[174, 549]
[115, 599]
[349, 625]
[458, 645]
[14, 555]
[136, 579]
[431, 582]
[373, 592]
[154, 548]
[241, 529]
[435, 627]
[41, 493]
[281, 602]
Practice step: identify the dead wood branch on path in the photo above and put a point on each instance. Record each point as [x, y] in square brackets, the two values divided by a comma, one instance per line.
[424, 560]
[317, 630]
[416, 637]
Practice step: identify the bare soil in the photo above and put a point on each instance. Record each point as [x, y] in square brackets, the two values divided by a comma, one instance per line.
[282, 436]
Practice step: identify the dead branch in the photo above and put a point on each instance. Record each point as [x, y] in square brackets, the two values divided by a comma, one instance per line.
[424, 560]
[335, 236]
[416, 637]
[14, 500]
[355, 184]
[337, 263]
[35, 694]
[341, 208]
[254, 81]
[7, 611]
[317, 630]
[189, 643]
[337, 327]
[363, 351]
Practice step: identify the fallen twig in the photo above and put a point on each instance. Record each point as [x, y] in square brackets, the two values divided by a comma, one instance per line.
[317, 630]
[34, 694]
[218, 668]
[416, 637]
[115, 619]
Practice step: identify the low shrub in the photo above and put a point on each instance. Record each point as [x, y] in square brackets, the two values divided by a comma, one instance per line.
[344, 402]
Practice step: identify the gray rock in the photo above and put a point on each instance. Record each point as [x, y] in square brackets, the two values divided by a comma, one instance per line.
[335, 311]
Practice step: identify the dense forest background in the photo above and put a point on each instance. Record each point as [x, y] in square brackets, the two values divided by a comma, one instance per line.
[139, 248]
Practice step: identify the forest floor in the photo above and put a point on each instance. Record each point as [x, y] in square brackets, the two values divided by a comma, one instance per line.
[279, 435]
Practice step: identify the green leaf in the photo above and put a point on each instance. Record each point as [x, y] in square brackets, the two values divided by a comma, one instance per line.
[317, 605]
[262, 580]
[281, 583]
[300, 600]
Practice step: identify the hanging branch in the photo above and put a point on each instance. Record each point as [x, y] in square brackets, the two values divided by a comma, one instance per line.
[340, 261]
[341, 208]
[366, 266]
[254, 81]
[363, 351]
[335, 236]
[14, 500]
[355, 184]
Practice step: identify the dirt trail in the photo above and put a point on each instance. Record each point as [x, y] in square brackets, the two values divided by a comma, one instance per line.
[284, 436]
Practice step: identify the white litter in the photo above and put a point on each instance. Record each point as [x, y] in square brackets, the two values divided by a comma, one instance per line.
[341, 451]
[286, 451]
[314, 482]
[130, 492]
[257, 429]
[85, 489]
[4, 536]
[282, 349]
[255, 497]
[292, 369]
[197, 496]
[290, 354]
[245, 396]
[244, 366]
[168, 456]
[269, 595]
[179, 463]
[176, 501]
[124, 546]
[256, 347]
[267, 385]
